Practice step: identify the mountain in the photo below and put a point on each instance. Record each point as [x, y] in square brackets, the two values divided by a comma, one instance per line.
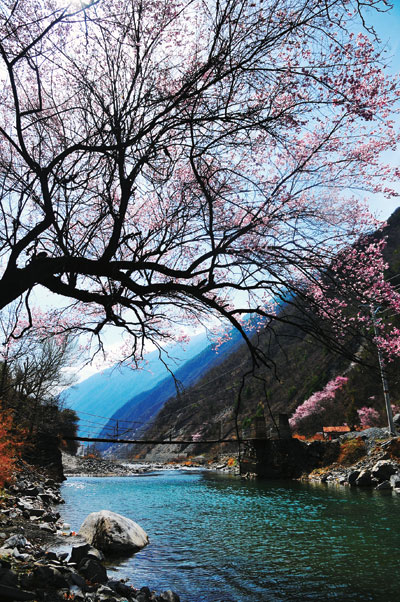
[103, 393]
[136, 414]
[211, 383]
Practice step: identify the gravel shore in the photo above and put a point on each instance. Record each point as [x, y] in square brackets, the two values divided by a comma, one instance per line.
[100, 467]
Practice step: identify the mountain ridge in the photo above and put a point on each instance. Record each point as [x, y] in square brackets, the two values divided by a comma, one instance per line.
[111, 388]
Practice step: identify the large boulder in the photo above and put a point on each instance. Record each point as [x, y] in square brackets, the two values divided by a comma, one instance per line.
[113, 533]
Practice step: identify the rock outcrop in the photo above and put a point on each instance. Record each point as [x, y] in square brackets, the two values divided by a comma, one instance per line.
[379, 468]
[113, 533]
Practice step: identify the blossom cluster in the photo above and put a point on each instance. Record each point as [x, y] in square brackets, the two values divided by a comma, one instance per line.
[354, 295]
[318, 402]
[368, 417]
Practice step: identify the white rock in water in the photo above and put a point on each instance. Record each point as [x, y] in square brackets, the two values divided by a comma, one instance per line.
[113, 533]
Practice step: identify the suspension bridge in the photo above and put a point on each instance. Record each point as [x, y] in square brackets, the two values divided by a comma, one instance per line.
[149, 441]
[111, 430]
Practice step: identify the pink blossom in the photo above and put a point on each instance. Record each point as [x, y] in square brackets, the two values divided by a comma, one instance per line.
[318, 402]
[368, 417]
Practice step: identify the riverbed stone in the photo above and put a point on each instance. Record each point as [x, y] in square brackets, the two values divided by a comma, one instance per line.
[121, 588]
[383, 470]
[78, 553]
[49, 576]
[395, 480]
[75, 579]
[51, 555]
[20, 556]
[31, 491]
[113, 533]
[15, 541]
[93, 570]
[47, 527]
[50, 517]
[384, 485]
[37, 512]
[170, 596]
[364, 478]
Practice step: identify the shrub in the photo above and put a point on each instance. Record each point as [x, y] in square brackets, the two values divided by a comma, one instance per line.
[351, 451]
[309, 416]
[368, 417]
[11, 442]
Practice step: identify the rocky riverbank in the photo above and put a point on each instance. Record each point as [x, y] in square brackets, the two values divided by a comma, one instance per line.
[373, 460]
[100, 467]
[39, 561]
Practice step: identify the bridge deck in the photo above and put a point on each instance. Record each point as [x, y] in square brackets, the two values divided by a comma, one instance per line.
[149, 441]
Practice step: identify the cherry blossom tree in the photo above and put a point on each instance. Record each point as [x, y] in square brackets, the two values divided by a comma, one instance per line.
[310, 415]
[164, 161]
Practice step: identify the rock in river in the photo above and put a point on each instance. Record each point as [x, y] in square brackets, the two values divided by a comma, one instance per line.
[113, 533]
[383, 470]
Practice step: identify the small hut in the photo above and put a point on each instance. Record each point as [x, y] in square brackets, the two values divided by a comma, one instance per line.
[333, 432]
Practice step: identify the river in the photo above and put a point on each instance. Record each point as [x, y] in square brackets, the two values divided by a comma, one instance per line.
[216, 538]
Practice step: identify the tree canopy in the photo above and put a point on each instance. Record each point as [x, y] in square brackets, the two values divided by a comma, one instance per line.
[162, 161]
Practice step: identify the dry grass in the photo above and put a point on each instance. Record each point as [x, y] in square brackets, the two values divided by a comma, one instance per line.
[351, 451]
[393, 449]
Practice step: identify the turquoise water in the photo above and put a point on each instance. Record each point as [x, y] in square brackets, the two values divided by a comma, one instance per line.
[215, 538]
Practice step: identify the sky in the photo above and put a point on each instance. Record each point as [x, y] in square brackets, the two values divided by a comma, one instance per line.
[387, 26]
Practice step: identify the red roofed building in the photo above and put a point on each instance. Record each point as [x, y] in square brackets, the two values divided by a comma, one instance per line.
[331, 432]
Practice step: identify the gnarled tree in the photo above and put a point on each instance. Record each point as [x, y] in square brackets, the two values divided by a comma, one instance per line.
[164, 160]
